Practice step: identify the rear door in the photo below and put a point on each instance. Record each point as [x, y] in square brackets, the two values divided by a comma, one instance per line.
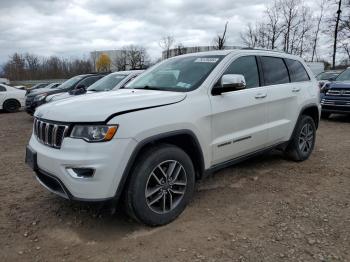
[283, 98]
[239, 117]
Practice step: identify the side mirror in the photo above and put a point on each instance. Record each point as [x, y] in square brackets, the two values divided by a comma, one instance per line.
[81, 87]
[228, 83]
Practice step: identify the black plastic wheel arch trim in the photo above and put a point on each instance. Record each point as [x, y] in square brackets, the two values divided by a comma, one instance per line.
[151, 139]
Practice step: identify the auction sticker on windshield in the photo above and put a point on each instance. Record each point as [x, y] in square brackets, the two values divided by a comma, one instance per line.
[206, 60]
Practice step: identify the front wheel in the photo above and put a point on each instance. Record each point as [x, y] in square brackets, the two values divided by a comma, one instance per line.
[11, 106]
[303, 140]
[161, 185]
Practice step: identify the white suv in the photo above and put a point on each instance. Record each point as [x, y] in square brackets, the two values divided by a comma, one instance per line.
[182, 119]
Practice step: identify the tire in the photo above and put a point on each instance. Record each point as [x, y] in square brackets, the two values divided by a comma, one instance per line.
[303, 140]
[11, 106]
[325, 115]
[146, 179]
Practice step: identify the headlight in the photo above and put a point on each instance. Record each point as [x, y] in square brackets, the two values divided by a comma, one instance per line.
[94, 133]
[40, 97]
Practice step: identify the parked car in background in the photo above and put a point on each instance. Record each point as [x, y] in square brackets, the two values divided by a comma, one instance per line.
[113, 81]
[186, 117]
[4, 81]
[38, 97]
[52, 85]
[20, 87]
[327, 76]
[37, 86]
[335, 95]
[11, 99]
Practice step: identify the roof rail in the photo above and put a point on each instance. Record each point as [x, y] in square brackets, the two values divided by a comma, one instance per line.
[264, 49]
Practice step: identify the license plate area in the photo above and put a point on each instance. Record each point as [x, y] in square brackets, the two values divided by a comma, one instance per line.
[31, 158]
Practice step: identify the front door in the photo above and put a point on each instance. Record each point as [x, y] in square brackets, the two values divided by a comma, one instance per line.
[239, 117]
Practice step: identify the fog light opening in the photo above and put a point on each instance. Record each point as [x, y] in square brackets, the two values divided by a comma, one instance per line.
[82, 172]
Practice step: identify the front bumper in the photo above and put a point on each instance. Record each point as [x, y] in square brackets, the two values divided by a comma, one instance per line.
[335, 105]
[31, 105]
[108, 159]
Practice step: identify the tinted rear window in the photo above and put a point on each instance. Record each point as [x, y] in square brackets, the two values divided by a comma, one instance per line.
[275, 71]
[297, 71]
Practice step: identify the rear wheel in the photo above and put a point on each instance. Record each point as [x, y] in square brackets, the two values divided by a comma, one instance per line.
[325, 115]
[11, 105]
[303, 140]
[161, 185]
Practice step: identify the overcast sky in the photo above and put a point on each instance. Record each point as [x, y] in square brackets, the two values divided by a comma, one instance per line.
[73, 28]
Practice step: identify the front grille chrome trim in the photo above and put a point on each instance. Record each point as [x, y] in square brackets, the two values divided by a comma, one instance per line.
[47, 133]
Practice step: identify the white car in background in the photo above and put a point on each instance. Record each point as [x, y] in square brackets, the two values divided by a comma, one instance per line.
[11, 99]
[113, 81]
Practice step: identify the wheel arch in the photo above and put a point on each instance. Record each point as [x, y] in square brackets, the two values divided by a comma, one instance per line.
[184, 139]
[313, 112]
[9, 100]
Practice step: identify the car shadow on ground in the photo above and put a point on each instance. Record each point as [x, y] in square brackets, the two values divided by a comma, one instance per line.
[339, 118]
[97, 221]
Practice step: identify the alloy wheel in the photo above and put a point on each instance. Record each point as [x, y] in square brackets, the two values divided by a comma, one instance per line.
[306, 138]
[166, 186]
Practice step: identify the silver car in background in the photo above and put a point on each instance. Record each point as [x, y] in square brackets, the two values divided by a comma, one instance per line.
[113, 81]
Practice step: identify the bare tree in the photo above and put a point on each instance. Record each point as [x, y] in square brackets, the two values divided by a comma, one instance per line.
[94, 57]
[180, 49]
[137, 57]
[166, 43]
[336, 32]
[273, 24]
[344, 30]
[121, 61]
[249, 37]
[220, 40]
[290, 14]
[317, 30]
[33, 65]
[30, 66]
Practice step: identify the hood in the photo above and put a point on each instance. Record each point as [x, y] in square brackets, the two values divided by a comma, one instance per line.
[39, 91]
[339, 85]
[99, 106]
[60, 96]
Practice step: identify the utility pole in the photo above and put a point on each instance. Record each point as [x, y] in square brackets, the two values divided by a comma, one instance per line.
[336, 33]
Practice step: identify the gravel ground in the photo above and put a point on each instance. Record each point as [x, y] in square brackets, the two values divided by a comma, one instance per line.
[264, 209]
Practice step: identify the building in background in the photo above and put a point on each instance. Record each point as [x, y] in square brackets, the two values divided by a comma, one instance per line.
[129, 58]
[181, 50]
[113, 55]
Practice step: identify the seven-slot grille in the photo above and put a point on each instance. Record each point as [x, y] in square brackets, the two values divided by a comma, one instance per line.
[50, 134]
[338, 92]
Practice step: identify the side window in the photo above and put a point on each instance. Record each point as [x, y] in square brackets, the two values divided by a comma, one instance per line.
[89, 81]
[297, 71]
[246, 66]
[275, 71]
[2, 89]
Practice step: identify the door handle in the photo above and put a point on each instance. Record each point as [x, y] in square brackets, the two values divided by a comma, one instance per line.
[260, 96]
[295, 89]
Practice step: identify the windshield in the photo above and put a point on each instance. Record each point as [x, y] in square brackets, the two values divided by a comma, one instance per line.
[326, 75]
[344, 76]
[70, 82]
[107, 83]
[178, 74]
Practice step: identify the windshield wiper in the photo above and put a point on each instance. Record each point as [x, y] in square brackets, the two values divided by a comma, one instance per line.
[150, 88]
